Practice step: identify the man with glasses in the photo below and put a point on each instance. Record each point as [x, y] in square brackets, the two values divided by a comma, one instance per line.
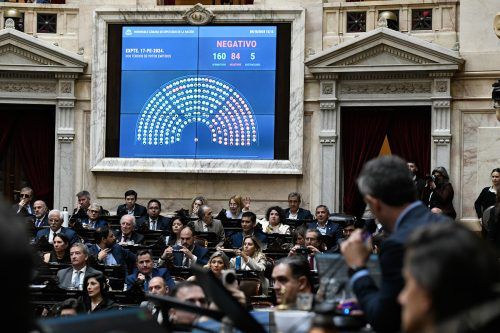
[312, 247]
[24, 207]
[153, 220]
[55, 227]
[93, 220]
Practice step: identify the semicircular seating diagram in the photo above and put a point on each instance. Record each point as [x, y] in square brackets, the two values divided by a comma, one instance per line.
[204, 100]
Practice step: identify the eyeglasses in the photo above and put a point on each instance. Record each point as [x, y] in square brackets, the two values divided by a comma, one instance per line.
[194, 300]
[23, 195]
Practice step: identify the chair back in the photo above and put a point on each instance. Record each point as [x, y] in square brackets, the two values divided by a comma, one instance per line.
[250, 286]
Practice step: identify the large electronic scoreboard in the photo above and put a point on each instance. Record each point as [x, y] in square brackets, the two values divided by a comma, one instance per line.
[198, 92]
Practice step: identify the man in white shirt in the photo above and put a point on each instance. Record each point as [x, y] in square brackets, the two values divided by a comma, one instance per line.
[55, 226]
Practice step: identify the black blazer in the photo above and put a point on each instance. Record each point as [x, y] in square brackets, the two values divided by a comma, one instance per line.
[163, 223]
[302, 214]
[135, 236]
[139, 211]
[380, 305]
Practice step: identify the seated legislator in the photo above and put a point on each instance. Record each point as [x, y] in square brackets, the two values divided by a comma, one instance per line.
[311, 248]
[60, 253]
[248, 226]
[294, 212]
[140, 279]
[291, 276]
[324, 225]
[107, 252]
[127, 234]
[95, 295]
[24, 207]
[273, 222]
[186, 254]
[55, 227]
[93, 219]
[40, 212]
[72, 277]
[206, 223]
[153, 220]
[131, 207]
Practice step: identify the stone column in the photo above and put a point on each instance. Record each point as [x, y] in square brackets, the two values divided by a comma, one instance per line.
[65, 133]
[328, 142]
[441, 120]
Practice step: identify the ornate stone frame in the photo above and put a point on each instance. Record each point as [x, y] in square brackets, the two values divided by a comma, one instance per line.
[174, 14]
[33, 71]
[387, 68]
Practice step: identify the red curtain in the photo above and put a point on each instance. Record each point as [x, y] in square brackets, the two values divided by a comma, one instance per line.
[363, 132]
[34, 144]
[5, 133]
[410, 137]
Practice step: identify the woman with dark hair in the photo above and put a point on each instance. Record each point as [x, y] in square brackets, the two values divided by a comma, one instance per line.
[438, 193]
[60, 253]
[299, 236]
[487, 197]
[178, 223]
[449, 270]
[273, 224]
[493, 227]
[95, 294]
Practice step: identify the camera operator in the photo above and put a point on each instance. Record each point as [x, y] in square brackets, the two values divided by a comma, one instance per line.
[438, 193]
[312, 247]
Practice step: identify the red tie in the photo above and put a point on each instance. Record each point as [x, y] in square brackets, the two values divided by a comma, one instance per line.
[311, 263]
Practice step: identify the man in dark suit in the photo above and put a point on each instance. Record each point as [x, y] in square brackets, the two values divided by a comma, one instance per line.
[72, 277]
[146, 271]
[25, 207]
[388, 188]
[40, 212]
[153, 220]
[294, 211]
[186, 254]
[107, 252]
[207, 223]
[127, 233]
[55, 226]
[325, 226]
[419, 182]
[131, 207]
[248, 228]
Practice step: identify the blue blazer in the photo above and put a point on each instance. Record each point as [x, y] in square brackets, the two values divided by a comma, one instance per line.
[163, 272]
[333, 229]
[237, 238]
[72, 236]
[380, 305]
[122, 256]
[302, 214]
[201, 254]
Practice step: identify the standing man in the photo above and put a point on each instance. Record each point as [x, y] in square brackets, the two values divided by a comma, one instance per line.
[389, 190]
[41, 217]
[419, 182]
[24, 207]
[131, 207]
[207, 223]
[294, 212]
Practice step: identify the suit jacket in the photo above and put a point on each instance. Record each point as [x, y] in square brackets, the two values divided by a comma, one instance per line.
[485, 199]
[139, 211]
[201, 254]
[237, 238]
[442, 198]
[131, 279]
[380, 305]
[64, 276]
[45, 221]
[333, 229]
[99, 223]
[72, 236]
[216, 227]
[302, 214]
[122, 256]
[24, 211]
[163, 223]
[136, 237]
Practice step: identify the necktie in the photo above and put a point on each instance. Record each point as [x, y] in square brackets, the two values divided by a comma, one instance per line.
[38, 222]
[76, 280]
[153, 225]
[311, 263]
[185, 262]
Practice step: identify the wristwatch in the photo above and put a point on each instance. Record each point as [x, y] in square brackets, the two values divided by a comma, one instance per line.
[354, 269]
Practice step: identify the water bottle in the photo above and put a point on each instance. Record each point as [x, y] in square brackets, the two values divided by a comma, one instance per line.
[65, 215]
[237, 263]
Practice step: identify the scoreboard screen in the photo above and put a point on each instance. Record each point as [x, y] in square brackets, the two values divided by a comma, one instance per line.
[198, 92]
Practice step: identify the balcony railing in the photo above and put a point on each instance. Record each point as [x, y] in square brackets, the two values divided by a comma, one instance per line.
[204, 2]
